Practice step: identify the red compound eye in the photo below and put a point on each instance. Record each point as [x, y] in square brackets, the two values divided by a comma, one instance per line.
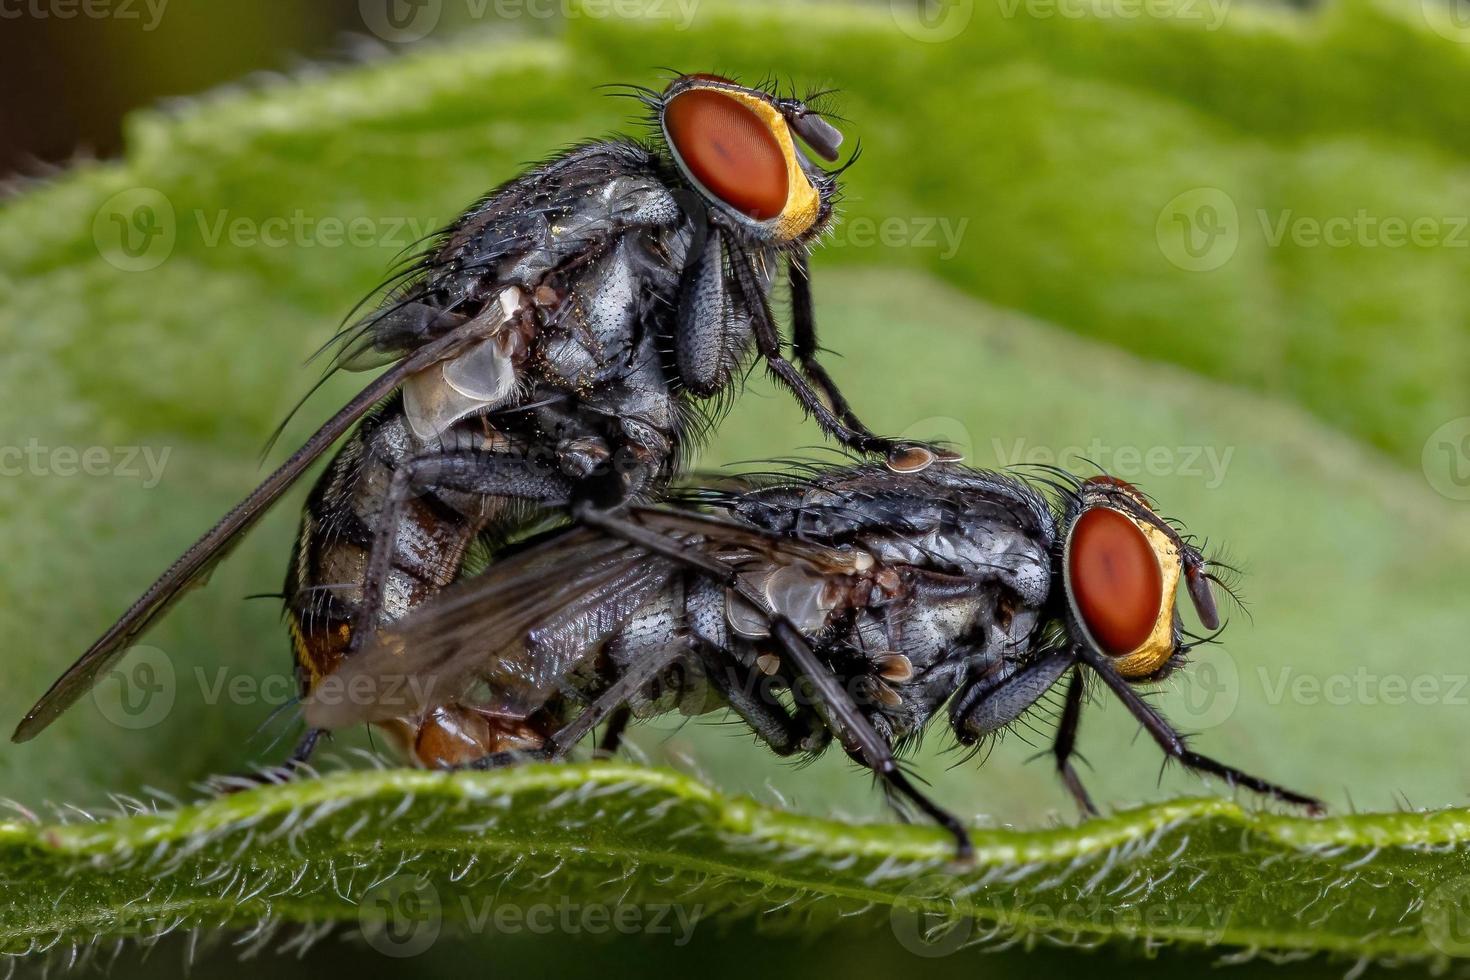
[730, 150]
[1114, 579]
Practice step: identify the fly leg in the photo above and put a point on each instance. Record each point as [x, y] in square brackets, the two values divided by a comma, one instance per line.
[615, 697]
[981, 710]
[609, 702]
[298, 758]
[1065, 744]
[612, 736]
[487, 474]
[903, 457]
[857, 734]
[1173, 743]
[768, 343]
[302, 753]
[804, 342]
[743, 691]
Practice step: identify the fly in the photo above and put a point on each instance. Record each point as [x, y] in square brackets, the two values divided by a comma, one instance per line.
[851, 604]
[557, 349]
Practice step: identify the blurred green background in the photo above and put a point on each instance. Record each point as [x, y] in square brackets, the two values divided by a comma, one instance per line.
[1218, 248]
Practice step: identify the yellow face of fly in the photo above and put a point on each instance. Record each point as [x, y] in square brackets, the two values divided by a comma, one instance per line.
[1155, 651]
[802, 201]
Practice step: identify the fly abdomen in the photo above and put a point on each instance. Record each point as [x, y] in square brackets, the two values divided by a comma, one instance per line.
[329, 564]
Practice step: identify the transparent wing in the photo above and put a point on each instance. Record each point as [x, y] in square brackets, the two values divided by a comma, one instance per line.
[522, 626]
[192, 568]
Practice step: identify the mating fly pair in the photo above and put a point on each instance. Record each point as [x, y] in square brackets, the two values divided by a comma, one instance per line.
[555, 353]
[851, 603]
[556, 350]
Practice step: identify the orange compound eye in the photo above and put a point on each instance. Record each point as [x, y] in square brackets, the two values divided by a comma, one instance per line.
[730, 150]
[1114, 579]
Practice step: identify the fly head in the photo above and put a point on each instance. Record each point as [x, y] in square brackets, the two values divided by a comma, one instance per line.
[737, 147]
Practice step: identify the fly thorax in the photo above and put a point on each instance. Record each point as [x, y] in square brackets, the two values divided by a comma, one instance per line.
[595, 335]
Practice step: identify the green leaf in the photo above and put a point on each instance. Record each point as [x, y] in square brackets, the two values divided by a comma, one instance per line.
[348, 847]
[1072, 137]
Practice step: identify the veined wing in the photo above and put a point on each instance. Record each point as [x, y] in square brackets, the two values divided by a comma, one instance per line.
[194, 565]
[521, 627]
